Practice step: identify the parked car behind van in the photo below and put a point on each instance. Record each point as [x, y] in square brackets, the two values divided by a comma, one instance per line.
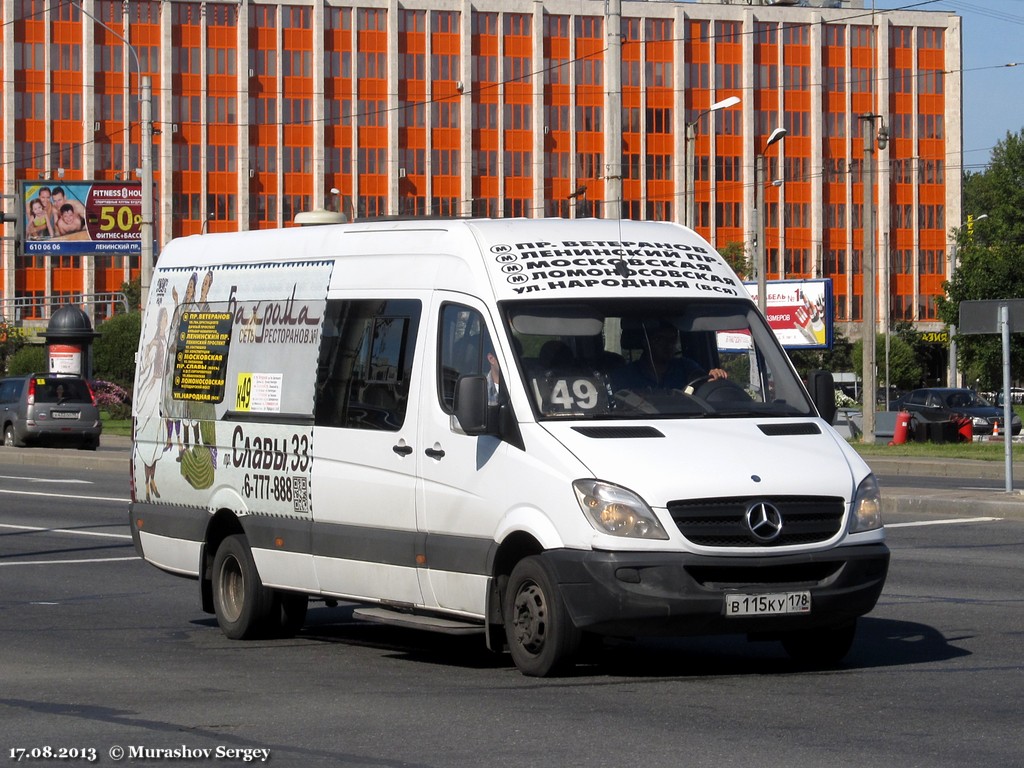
[948, 403]
[48, 408]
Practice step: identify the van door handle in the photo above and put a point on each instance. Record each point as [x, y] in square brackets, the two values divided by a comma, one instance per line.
[434, 453]
[402, 450]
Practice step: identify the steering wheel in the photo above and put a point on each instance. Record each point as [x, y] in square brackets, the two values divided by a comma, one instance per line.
[695, 384]
[715, 391]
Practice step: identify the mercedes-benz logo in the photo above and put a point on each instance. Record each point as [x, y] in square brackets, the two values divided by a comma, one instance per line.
[764, 520]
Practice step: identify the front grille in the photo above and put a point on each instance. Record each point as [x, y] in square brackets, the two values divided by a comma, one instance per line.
[722, 522]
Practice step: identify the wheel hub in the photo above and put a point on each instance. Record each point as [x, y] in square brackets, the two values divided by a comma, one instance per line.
[530, 618]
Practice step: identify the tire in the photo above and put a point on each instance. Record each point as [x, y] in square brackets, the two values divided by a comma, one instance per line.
[540, 633]
[820, 648]
[244, 607]
[290, 611]
[10, 439]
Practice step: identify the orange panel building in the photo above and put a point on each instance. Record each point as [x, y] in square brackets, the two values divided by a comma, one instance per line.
[262, 109]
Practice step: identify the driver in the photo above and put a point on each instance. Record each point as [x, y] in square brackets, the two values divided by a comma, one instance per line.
[661, 366]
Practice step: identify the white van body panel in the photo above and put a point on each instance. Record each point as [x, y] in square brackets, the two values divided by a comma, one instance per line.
[287, 570]
[172, 554]
[783, 465]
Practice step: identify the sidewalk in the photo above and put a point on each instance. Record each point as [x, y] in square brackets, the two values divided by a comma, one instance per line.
[921, 500]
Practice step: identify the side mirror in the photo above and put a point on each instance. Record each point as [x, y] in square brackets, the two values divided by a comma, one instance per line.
[471, 404]
[823, 393]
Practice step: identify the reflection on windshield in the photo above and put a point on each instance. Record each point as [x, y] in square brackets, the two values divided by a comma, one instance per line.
[608, 359]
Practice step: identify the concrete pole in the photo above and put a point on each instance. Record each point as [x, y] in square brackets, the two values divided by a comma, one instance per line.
[869, 286]
[952, 328]
[146, 151]
[613, 177]
[759, 249]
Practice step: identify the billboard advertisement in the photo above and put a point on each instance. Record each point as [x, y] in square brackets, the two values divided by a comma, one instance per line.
[799, 311]
[82, 217]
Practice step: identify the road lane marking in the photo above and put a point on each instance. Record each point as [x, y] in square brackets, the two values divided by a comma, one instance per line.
[66, 530]
[65, 496]
[956, 521]
[45, 480]
[69, 562]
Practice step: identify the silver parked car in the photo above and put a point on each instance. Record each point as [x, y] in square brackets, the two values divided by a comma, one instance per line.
[47, 408]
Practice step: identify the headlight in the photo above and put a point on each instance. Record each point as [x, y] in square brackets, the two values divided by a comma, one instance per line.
[867, 507]
[616, 511]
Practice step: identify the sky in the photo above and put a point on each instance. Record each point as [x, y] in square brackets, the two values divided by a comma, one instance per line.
[993, 94]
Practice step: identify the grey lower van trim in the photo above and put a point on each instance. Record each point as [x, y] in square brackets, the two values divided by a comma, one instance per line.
[459, 554]
[684, 594]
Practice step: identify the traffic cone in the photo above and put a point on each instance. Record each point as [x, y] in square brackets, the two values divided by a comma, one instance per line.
[995, 429]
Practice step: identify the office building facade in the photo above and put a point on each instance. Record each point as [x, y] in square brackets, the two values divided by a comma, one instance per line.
[261, 109]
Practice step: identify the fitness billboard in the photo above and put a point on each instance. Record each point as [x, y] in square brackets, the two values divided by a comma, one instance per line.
[82, 217]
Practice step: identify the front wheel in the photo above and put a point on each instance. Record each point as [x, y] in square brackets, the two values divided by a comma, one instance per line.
[820, 648]
[539, 630]
[243, 605]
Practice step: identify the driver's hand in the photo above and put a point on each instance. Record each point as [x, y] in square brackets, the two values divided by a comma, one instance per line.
[717, 373]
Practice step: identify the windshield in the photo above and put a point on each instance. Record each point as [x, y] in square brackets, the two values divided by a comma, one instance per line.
[628, 359]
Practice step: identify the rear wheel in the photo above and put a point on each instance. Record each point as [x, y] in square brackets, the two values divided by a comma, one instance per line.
[820, 647]
[540, 633]
[10, 440]
[244, 607]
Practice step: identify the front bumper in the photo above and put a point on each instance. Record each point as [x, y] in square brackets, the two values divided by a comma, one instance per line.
[635, 594]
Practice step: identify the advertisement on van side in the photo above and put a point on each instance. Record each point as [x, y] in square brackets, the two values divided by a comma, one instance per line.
[225, 386]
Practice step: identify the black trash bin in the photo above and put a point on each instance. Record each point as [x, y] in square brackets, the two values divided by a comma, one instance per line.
[935, 431]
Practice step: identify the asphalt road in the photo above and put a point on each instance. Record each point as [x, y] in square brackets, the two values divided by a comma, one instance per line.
[104, 652]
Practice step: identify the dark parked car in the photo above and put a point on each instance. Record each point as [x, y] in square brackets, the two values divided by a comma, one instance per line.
[49, 408]
[948, 403]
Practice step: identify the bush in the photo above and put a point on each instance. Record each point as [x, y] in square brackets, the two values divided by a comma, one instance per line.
[29, 359]
[113, 399]
[113, 351]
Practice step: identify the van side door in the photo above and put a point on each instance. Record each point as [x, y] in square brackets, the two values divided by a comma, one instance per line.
[466, 479]
[364, 438]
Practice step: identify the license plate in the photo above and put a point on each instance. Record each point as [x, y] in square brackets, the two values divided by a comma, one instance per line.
[769, 604]
[64, 414]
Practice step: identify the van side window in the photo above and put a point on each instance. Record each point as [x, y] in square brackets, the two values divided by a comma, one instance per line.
[464, 345]
[365, 363]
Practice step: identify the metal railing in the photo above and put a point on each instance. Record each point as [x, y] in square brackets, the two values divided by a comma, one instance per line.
[22, 308]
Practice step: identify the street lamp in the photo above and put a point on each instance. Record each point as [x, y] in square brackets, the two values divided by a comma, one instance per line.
[337, 198]
[690, 137]
[759, 220]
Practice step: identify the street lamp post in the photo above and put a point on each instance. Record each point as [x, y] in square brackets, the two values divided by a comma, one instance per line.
[759, 220]
[690, 137]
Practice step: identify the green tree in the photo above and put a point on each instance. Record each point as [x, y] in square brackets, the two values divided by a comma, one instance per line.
[835, 360]
[905, 367]
[735, 256]
[113, 351]
[31, 358]
[12, 339]
[990, 259]
[132, 291]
